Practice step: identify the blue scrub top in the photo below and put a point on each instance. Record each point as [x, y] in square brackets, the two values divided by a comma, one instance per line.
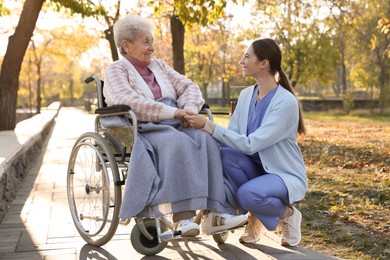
[256, 114]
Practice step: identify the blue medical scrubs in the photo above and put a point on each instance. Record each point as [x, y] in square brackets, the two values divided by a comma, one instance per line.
[256, 115]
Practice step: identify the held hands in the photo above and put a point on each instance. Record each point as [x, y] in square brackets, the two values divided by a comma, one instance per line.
[180, 113]
[195, 120]
[190, 119]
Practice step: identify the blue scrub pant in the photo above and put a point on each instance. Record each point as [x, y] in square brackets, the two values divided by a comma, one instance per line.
[263, 194]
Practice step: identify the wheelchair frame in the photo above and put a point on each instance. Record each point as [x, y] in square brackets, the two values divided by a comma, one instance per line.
[96, 175]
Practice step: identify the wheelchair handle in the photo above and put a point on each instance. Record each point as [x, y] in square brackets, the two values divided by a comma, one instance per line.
[89, 79]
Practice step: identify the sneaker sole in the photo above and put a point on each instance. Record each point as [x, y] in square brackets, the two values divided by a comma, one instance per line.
[191, 233]
[287, 244]
[225, 230]
[243, 241]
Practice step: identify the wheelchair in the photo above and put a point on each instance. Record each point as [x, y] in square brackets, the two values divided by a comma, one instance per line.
[96, 176]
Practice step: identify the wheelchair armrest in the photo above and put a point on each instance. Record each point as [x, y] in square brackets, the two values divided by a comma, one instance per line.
[205, 106]
[112, 109]
[206, 110]
[117, 110]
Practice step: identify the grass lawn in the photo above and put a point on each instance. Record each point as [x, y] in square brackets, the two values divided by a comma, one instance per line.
[346, 211]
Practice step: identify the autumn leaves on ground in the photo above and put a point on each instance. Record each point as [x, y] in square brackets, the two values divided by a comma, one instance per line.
[346, 212]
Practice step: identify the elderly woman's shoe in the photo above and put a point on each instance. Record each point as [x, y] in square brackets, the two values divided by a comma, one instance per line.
[187, 227]
[215, 222]
[253, 230]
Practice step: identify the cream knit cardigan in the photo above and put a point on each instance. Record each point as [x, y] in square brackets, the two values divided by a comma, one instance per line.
[123, 85]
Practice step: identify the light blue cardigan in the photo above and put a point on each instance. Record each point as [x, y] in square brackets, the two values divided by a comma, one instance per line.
[275, 140]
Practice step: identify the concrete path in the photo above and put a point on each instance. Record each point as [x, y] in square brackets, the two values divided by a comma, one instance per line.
[38, 224]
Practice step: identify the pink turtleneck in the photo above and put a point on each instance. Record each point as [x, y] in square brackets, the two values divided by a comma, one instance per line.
[147, 75]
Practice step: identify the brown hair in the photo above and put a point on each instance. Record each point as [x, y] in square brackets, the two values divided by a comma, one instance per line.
[268, 49]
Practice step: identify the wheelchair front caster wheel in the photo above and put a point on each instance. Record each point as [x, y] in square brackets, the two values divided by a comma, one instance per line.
[221, 237]
[142, 244]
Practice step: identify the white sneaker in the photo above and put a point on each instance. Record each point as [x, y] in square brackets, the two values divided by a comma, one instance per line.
[291, 229]
[187, 227]
[215, 222]
[253, 230]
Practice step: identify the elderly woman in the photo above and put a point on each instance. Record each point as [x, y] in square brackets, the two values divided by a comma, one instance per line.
[173, 169]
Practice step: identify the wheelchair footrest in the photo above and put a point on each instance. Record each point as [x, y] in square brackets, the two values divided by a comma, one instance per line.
[169, 235]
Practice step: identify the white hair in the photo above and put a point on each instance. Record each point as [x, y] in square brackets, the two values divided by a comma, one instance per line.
[130, 28]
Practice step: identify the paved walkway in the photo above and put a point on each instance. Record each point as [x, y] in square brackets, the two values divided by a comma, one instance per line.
[38, 224]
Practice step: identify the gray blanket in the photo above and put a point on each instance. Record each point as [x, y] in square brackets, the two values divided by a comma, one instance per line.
[171, 170]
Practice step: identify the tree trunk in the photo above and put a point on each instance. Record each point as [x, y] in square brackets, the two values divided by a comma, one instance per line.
[12, 63]
[109, 34]
[383, 81]
[205, 96]
[343, 68]
[223, 92]
[30, 96]
[39, 87]
[71, 90]
[178, 30]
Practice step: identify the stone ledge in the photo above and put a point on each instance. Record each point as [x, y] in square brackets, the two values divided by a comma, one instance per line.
[19, 148]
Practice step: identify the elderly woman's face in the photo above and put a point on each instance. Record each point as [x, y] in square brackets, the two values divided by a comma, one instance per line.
[141, 49]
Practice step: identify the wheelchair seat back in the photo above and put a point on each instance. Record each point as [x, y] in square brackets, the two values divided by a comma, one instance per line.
[120, 138]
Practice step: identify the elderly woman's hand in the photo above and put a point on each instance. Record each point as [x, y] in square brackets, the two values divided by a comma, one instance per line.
[180, 113]
[195, 120]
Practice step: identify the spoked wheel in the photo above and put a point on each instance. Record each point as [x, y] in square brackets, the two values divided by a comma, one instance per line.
[221, 237]
[94, 199]
[142, 244]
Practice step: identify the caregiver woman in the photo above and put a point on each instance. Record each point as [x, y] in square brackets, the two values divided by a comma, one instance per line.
[261, 157]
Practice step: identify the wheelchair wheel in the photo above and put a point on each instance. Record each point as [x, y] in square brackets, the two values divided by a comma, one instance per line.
[94, 199]
[221, 237]
[142, 244]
